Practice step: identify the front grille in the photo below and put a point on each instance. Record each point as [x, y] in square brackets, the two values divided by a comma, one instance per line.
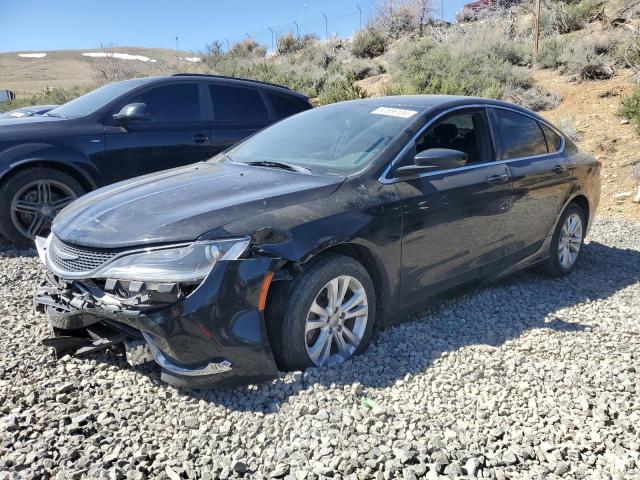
[71, 258]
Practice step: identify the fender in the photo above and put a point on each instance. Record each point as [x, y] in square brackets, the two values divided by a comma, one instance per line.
[63, 158]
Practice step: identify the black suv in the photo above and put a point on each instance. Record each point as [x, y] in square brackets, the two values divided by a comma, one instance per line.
[123, 130]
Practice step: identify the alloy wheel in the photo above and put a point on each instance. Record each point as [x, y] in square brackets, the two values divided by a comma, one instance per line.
[336, 321]
[36, 204]
[570, 241]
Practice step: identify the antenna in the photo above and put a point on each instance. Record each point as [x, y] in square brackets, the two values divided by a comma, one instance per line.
[272, 33]
[326, 26]
[360, 12]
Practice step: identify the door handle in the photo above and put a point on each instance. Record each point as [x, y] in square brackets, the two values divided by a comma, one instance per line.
[200, 138]
[559, 169]
[498, 179]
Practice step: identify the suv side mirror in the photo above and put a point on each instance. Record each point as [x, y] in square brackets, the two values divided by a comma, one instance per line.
[433, 159]
[132, 112]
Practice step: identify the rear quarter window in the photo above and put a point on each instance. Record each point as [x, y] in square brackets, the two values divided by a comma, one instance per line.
[283, 106]
[554, 141]
[237, 104]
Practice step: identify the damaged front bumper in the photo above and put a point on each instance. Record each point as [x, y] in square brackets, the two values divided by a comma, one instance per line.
[213, 336]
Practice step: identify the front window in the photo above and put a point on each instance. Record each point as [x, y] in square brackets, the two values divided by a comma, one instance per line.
[338, 139]
[92, 101]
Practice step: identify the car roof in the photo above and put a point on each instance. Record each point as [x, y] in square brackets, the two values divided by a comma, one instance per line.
[248, 82]
[432, 102]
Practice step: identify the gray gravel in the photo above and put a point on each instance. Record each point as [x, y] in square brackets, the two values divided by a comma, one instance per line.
[529, 378]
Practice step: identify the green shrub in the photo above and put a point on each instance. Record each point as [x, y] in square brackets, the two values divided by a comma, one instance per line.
[289, 44]
[630, 108]
[551, 52]
[339, 91]
[588, 58]
[461, 69]
[247, 48]
[51, 96]
[569, 16]
[368, 43]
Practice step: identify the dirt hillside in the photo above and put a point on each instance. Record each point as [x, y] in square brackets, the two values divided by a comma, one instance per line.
[592, 108]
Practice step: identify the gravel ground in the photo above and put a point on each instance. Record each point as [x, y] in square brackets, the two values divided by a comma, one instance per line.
[529, 378]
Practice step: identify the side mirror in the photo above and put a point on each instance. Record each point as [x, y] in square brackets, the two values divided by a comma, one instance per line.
[433, 159]
[132, 112]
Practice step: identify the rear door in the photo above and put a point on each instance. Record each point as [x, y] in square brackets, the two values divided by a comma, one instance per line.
[238, 111]
[177, 132]
[454, 220]
[540, 175]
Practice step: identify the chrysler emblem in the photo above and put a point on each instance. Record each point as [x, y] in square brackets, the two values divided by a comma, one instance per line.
[64, 255]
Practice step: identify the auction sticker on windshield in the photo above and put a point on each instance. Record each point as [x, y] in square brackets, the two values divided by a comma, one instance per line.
[394, 112]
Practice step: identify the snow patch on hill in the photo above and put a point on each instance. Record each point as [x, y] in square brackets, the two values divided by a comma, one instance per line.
[32, 55]
[121, 56]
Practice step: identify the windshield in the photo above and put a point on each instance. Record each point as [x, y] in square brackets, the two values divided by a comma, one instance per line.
[338, 139]
[95, 99]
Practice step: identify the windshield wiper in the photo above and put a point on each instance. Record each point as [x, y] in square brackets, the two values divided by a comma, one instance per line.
[282, 165]
[49, 114]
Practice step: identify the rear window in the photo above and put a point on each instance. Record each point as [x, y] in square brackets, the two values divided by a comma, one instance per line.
[237, 104]
[284, 107]
[554, 141]
[521, 136]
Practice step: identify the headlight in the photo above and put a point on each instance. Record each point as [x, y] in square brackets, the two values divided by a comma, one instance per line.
[186, 263]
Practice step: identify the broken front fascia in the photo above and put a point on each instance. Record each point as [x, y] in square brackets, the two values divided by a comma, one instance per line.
[212, 335]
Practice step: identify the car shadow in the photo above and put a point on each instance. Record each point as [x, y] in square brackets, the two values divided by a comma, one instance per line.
[488, 315]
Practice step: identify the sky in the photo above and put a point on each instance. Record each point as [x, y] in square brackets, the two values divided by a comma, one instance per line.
[41, 25]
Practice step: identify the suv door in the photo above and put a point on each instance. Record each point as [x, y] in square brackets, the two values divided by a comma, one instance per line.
[238, 111]
[177, 132]
[454, 220]
[541, 178]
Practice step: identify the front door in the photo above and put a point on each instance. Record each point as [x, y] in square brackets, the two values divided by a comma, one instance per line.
[454, 220]
[177, 133]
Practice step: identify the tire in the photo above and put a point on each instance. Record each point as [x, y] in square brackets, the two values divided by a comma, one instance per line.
[30, 188]
[289, 311]
[556, 265]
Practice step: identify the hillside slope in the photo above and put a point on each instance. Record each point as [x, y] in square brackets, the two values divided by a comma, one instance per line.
[592, 108]
[27, 75]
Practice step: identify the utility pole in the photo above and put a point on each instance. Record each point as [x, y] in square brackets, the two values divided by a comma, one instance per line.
[442, 12]
[227, 40]
[297, 29]
[177, 49]
[326, 26]
[360, 12]
[537, 32]
[272, 33]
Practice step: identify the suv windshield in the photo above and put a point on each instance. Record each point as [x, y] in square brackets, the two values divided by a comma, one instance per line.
[338, 139]
[95, 99]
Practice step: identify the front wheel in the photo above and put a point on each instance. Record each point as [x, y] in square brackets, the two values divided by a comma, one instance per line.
[325, 316]
[566, 243]
[30, 199]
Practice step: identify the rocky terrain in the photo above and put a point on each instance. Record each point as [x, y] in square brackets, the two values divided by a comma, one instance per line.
[529, 378]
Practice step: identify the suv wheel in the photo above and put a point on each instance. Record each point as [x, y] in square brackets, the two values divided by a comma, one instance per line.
[325, 316]
[30, 199]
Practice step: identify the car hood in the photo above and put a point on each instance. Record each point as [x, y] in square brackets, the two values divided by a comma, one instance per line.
[12, 126]
[183, 203]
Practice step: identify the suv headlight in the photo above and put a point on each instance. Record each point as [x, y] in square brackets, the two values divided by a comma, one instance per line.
[184, 263]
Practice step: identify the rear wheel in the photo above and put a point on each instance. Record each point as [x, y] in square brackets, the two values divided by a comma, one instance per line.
[566, 243]
[30, 199]
[325, 316]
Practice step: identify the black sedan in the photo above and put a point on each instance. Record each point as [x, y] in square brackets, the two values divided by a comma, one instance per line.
[288, 250]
